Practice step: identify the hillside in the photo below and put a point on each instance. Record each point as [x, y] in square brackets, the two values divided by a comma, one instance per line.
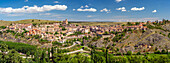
[97, 23]
[5, 23]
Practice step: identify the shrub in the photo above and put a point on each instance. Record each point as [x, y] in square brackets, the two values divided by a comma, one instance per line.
[43, 41]
[118, 53]
[138, 53]
[2, 27]
[163, 52]
[129, 53]
[157, 52]
[57, 43]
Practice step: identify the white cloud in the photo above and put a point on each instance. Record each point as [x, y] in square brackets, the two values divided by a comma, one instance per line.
[90, 9]
[45, 14]
[118, 1]
[14, 14]
[34, 9]
[81, 7]
[89, 16]
[74, 9]
[26, 0]
[86, 6]
[154, 11]
[105, 10]
[137, 9]
[56, 2]
[121, 19]
[123, 9]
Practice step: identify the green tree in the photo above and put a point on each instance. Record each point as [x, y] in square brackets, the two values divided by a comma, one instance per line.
[34, 24]
[129, 53]
[3, 47]
[138, 53]
[52, 52]
[56, 33]
[32, 20]
[27, 54]
[163, 52]
[43, 57]
[2, 27]
[129, 24]
[137, 23]
[36, 57]
[169, 35]
[106, 33]
[63, 28]
[106, 56]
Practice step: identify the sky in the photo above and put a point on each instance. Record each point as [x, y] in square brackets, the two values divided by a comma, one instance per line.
[85, 10]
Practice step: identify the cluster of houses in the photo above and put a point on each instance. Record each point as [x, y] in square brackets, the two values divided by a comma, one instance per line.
[137, 27]
[63, 31]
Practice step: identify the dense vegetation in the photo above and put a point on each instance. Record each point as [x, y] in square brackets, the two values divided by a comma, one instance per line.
[20, 47]
[118, 37]
[95, 57]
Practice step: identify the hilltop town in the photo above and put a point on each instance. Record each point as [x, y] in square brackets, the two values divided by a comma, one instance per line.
[68, 38]
[84, 31]
[62, 31]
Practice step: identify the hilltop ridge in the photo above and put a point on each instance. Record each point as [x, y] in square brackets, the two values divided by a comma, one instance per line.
[38, 21]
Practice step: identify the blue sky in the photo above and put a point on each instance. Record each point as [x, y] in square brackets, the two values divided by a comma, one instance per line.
[85, 10]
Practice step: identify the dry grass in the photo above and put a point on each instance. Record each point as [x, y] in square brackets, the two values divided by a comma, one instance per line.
[5, 23]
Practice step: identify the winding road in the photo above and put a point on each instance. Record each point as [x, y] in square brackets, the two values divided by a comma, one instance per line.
[68, 46]
[81, 50]
[74, 43]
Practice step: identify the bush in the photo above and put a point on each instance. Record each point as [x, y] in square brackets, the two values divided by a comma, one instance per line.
[2, 27]
[43, 41]
[57, 43]
[129, 53]
[138, 53]
[63, 28]
[163, 52]
[118, 53]
[56, 32]
[157, 52]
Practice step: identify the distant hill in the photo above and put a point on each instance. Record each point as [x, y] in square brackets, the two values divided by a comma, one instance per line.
[97, 23]
[5, 23]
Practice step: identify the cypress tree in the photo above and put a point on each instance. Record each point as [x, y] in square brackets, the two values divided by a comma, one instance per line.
[91, 56]
[106, 55]
[52, 52]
